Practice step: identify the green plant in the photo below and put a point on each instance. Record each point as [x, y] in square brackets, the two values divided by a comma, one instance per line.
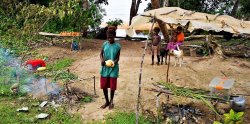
[60, 64]
[10, 75]
[114, 22]
[64, 76]
[87, 99]
[125, 118]
[232, 118]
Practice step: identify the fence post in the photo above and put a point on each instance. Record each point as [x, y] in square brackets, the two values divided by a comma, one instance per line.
[94, 85]
[157, 106]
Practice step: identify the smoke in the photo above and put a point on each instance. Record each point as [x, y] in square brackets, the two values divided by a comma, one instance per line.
[12, 72]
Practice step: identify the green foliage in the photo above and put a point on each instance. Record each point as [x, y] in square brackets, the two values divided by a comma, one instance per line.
[8, 78]
[8, 75]
[216, 122]
[21, 29]
[5, 90]
[125, 118]
[245, 7]
[211, 6]
[232, 118]
[56, 70]
[72, 16]
[20, 21]
[114, 22]
[87, 99]
[64, 76]
[9, 115]
[60, 64]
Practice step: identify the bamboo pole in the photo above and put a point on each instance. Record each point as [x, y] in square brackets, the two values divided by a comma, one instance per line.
[140, 75]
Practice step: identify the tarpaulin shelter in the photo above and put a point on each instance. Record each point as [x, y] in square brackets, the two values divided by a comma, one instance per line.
[143, 26]
[193, 20]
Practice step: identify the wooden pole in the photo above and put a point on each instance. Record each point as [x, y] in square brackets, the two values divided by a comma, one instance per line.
[167, 79]
[45, 83]
[94, 85]
[140, 75]
[158, 107]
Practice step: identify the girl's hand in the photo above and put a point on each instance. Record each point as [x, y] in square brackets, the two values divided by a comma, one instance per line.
[103, 63]
[109, 63]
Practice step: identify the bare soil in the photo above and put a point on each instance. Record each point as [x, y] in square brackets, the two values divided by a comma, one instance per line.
[196, 72]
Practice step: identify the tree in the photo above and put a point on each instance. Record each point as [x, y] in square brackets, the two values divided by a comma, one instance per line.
[235, 8]
[244, 10]
[102, 2]
[162, 25]
[134, 9]
[21, 20]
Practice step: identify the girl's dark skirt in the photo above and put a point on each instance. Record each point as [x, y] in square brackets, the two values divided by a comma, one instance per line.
[108, 82]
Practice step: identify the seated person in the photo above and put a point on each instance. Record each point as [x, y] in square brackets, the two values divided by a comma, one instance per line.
[180, 36]
[172, 43]
[75, 45]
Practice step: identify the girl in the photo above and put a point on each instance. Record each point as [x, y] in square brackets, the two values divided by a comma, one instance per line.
[110, 53]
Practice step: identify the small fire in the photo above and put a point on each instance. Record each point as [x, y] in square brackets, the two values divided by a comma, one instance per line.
[21, 80]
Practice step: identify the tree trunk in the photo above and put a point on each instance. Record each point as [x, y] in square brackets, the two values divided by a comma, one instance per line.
[235, 8]
[132, 10]
[84, 30]
[162, 25]
[137, 6]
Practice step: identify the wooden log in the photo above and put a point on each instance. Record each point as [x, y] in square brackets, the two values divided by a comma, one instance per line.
[191, 37]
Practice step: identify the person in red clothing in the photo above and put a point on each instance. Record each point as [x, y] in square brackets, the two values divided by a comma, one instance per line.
[180, 36]
[34, 64]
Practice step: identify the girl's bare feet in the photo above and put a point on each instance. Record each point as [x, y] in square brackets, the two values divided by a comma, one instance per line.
[111, 106]
[104, 105]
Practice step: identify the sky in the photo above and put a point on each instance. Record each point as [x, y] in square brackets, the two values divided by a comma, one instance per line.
[121, 9]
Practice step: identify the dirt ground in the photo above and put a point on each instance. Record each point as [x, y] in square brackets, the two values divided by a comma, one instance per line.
[196, 72]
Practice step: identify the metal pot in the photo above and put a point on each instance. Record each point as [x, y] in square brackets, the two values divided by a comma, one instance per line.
[238, 103]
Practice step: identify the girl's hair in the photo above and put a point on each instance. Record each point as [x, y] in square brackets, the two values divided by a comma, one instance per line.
[179, 28]
[111, 32]
[156, 29]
